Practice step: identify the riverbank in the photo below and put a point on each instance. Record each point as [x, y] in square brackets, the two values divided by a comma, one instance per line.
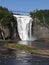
[27, 49]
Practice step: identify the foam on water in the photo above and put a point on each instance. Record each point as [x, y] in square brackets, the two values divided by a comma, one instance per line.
[24, 24]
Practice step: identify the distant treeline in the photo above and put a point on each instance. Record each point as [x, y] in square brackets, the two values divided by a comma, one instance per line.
[42, 15]
[8, 22]
[6, 15]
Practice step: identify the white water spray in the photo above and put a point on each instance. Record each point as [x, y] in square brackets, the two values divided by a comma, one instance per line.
[24, 24]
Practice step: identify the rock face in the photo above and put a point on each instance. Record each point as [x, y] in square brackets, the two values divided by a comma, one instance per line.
[40, 31]
[9, 32]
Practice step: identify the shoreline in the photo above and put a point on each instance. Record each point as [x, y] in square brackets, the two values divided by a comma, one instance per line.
[27, 49]
[34, 54]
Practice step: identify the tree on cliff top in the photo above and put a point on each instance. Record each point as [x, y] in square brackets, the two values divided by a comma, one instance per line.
[5, 16]
[42, 15]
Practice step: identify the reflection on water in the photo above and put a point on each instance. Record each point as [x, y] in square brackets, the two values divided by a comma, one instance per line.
[23, 58]
[15, 58]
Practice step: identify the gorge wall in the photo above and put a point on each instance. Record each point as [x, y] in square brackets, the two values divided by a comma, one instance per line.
[31, 30]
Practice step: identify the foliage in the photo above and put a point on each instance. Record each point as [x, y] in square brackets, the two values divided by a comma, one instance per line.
[7, 20]
[42, 15]
[5, 16]
[21, 47]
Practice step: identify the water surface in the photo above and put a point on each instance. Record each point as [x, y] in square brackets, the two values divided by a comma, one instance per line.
[22, 58]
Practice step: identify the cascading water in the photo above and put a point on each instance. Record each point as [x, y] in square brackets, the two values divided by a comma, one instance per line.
[24, 24]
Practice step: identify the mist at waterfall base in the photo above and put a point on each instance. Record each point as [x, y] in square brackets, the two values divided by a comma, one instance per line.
[24, 25]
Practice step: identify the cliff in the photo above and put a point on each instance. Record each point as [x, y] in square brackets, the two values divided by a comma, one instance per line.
[8, 25]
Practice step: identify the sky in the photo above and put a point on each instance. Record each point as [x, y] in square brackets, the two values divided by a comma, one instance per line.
[25, 5]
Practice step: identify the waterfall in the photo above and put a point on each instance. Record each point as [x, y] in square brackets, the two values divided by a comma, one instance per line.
[24, 24]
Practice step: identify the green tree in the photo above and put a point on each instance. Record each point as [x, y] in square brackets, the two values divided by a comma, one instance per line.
[42, 15]
[5, 16]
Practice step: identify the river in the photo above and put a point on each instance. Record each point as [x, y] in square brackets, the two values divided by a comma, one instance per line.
[22, 58]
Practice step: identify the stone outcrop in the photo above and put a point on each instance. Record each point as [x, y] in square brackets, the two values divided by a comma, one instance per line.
[40, 30]
[9, 32]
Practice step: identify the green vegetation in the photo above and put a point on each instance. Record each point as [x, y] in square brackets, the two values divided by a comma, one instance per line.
[20, 47]
[28, 49]
[5, 16]
[42, 15]
[7, 19]
[7, 22]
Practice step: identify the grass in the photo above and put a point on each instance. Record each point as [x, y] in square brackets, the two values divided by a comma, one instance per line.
[34, 51]
[21, 47]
